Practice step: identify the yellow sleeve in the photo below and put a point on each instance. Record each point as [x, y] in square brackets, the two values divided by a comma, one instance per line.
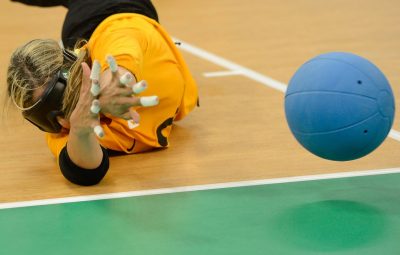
[56, 143]
[125, 43]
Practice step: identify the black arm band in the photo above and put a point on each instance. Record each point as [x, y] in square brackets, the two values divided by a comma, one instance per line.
[82, 176]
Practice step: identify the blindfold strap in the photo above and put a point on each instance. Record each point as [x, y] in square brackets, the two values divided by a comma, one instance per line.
[69, 56]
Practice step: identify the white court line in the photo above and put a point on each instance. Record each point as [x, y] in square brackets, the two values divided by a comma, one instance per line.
[198, 188]
[231, 66]
[265, 80]
[221, 73]
[394, 134]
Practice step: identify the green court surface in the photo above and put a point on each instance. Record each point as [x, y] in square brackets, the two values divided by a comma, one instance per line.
[358, 215]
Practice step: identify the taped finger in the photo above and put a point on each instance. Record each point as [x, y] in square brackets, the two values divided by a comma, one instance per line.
[112, 64]
[126, 79]
[132, 124]
[98, 130]
[95, 88]
[132, 118]
[95, 108]
[139, 87]
[134, 115]
[149, 101]
[96, 69]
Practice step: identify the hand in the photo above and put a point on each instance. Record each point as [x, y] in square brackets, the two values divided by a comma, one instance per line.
[82, 119]
[119, 90]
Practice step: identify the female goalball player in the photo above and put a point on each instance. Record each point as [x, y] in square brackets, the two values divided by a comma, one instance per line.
[88, 103]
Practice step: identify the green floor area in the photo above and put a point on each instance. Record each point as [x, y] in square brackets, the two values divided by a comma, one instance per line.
[358, 215]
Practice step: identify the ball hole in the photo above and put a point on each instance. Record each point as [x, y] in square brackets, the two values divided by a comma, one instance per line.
[359, 81]
[365, 131]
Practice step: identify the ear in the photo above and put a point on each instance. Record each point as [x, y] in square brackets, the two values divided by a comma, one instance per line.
[63, 122]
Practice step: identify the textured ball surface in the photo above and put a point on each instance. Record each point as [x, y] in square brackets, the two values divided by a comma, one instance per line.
[339, 106]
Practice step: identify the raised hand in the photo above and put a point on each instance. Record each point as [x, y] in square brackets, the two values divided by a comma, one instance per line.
[85, 118]
[118, 93]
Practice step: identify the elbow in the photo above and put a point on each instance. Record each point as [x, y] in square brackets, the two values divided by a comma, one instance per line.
[81, 176]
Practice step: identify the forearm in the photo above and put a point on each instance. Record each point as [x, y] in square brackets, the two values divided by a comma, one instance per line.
[83, 161]
[84, 150]
[82, 176]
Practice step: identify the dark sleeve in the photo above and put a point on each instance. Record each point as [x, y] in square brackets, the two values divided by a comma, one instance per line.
[81, 176]
[43, 3]
[84, 16]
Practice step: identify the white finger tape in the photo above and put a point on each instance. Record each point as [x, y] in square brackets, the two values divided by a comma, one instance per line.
[96, 69]
[95, 108]
[139, 87]
[98, 130]
[126, 78]
[95, 88]
[149, 101]
[112, 63]
[132, 124]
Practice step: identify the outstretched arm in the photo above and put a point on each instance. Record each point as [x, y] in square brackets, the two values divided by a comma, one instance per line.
[83, 161]
[83, 148]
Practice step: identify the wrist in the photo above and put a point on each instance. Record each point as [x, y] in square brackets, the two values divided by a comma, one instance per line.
[81, 131]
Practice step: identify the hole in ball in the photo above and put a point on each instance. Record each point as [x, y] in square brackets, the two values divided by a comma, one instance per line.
[359, 82]
[365, 131]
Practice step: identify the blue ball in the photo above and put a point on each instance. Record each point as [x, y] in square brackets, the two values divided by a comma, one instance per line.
[339, 106]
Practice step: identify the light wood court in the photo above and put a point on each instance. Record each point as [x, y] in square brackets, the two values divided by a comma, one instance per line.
[239, 132]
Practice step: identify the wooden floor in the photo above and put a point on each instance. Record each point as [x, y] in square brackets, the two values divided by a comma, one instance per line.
[239, 132]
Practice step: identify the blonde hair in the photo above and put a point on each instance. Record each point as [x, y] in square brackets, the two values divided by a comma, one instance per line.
[34, 64]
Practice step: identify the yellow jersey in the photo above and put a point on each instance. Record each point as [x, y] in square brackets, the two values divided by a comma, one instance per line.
[142, 46]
